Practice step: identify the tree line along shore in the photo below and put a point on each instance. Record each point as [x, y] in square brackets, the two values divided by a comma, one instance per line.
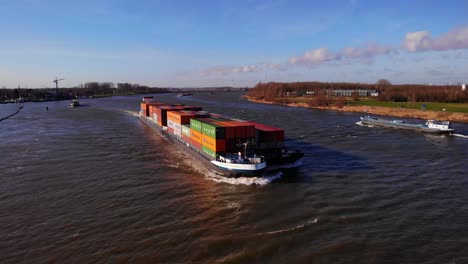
[439, 102]
[93, 90]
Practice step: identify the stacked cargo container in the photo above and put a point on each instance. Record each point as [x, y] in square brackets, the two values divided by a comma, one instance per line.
[159, 111]
[213, 138]
[212, 134]
[268, 137]
[237, 133]
[175, 120]
[151, 108]
[195, 134]
[185, 135]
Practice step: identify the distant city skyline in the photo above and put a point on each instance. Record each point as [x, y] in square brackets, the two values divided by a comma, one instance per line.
[231, 43]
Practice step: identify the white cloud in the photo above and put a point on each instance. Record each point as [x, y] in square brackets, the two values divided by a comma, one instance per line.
[226, 70]
[457, 38]
[319, 56]
[275, 66]
[246, 69]
[417, 41]
[371, 50]
[314, 57]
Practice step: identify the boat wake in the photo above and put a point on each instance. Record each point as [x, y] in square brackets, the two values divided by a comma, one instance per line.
[296, 164]
[263, 180]
[132, 113]
[459, 135]
[361, 124]
[291, 228]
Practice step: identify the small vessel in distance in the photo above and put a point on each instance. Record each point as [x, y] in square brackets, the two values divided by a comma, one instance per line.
[74, 103]
[431, 126]
[184, 94]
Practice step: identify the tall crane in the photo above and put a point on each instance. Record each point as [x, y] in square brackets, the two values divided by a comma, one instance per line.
[56, 81]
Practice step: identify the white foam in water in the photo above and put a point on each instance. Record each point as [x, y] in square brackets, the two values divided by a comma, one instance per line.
[296, 164]
[459, 135]
[244, 180]
[291, 228]
[361, 124]
[132, 113]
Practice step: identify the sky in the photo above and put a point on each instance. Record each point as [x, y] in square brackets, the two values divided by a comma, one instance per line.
[231, 43]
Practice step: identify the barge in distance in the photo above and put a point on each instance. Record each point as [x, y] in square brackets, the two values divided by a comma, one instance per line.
[430, 126]
[229, 147]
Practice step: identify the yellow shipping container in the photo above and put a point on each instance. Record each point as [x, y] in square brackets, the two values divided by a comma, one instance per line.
[217, 145]
[196, 136]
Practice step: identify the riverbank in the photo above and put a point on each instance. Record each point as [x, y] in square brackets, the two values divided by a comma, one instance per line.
[379, 110]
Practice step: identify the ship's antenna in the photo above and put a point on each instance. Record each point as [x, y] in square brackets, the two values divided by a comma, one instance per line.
[245, 149]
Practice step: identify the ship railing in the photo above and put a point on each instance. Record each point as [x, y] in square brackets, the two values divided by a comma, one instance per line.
[235, 159]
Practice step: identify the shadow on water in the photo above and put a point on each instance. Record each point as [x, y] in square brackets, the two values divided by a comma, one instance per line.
[323, 160]
[326, 159]
[84, 105]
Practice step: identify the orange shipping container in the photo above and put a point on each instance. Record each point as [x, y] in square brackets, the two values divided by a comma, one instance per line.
[196, 136]
[144, 109]
[217, 145]
[182, 118]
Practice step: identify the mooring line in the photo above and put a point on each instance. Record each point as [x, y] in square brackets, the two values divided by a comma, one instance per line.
[17, 111]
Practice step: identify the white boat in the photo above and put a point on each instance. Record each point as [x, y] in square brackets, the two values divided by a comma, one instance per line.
[74, 103]
[239, 164]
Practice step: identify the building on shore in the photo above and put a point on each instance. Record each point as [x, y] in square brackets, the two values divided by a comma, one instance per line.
[353, 92]
[335, 92]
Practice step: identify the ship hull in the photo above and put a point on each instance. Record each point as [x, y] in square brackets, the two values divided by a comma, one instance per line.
[207, 161]
[404, 126]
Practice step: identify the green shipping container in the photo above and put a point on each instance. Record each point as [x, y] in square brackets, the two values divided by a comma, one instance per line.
[186, 130]
[210, 152]
[195, 125]
[213, 131]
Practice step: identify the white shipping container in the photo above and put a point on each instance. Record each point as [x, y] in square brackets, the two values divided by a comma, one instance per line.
[177, 132]
[186, 130]
[171, 124]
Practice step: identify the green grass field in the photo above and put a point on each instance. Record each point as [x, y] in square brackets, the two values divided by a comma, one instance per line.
[449, 107]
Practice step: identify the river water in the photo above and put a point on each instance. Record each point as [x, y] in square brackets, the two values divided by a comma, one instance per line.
[94, 184]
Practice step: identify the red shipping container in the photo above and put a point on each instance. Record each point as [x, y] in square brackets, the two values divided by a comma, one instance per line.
[229, 128]
[269, 134]
[186, 139]
[243, 129]
[195, 144]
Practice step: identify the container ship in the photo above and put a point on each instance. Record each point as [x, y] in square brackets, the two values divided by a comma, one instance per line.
[229, 147]
[430, 126]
